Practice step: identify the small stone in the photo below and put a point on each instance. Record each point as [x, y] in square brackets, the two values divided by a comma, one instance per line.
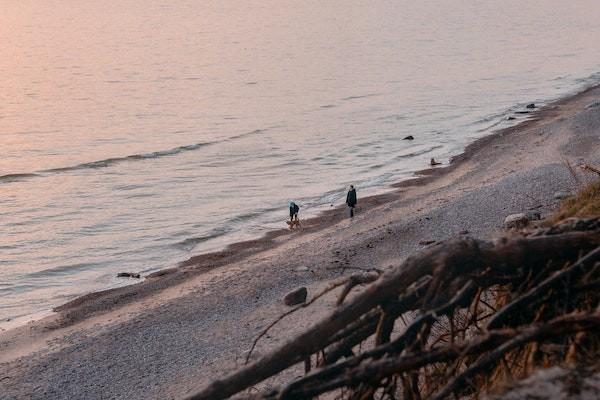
[409, 137]
[426, 242]
[530, 106]
[128, 275]
[533, 215]
[298, 296]
[511, 118]
[301, 269]
[561, 195]
[465, 232]
[516, 221]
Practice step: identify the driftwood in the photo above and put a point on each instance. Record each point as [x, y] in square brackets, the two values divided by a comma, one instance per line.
[444, 290]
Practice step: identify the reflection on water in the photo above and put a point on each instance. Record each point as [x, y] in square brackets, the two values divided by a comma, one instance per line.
[136, 133]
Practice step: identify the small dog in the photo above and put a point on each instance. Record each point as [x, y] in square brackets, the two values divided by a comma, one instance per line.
[294, 224]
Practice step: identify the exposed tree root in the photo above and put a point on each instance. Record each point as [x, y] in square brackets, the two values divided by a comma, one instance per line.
[470, 310]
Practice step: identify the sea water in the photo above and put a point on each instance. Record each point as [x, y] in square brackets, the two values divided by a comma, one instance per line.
[137, 133]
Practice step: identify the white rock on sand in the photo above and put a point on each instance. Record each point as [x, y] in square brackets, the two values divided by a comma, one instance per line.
[517, 221]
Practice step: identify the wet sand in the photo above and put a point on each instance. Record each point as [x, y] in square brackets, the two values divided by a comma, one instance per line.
[181, 327]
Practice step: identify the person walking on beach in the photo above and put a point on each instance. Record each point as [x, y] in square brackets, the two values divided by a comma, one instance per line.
[351, 200]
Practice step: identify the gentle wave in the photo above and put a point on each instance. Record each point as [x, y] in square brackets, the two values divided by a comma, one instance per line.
[493, 117]
[240, 218]
[418, 152]
[65, 270]
[16, 177]
[492, 125]
[134, 157]
[108, 162]
[229, 225]
[189, 243]
[364, 96]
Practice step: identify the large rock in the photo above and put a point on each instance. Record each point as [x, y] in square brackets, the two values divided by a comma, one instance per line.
[409, 137]
[298, 296]
[516, 221]
[534, 215]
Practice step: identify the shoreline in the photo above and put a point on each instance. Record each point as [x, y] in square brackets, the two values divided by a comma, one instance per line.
[184, 327]
[103, 300]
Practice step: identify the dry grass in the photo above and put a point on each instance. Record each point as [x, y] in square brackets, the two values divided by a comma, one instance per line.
[585, 204]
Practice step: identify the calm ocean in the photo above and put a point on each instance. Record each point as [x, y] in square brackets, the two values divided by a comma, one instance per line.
[137, 133]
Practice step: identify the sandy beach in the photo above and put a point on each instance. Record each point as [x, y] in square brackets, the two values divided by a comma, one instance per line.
[171, 334]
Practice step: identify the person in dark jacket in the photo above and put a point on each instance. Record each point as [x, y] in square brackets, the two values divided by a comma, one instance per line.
[351, 200]
[294, 209]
